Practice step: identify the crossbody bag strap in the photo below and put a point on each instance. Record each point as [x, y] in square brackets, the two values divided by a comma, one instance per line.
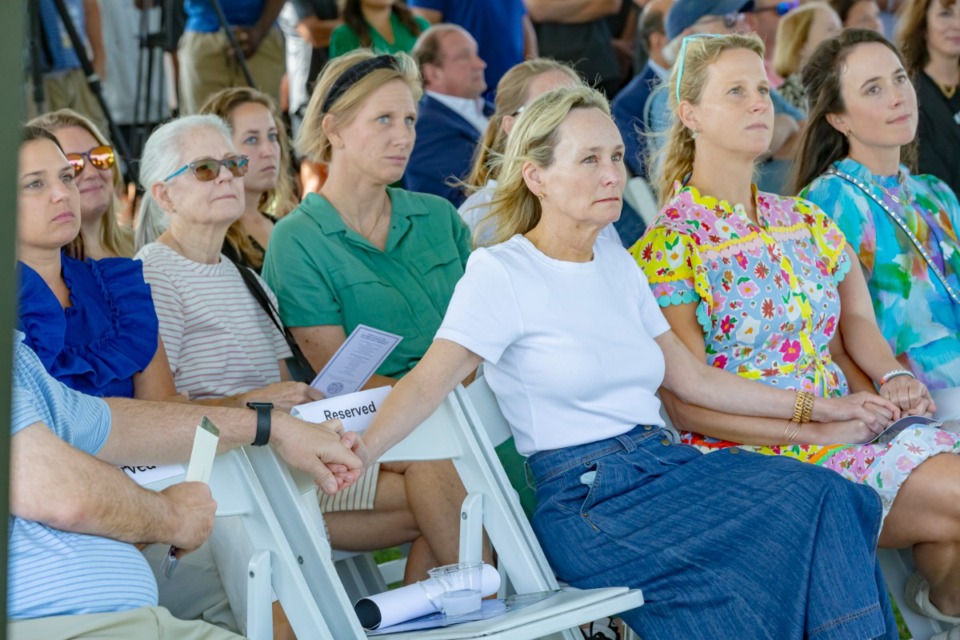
[902, 225]
[253, 284]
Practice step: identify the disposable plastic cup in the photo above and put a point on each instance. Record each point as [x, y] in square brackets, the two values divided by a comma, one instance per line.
[461, 587]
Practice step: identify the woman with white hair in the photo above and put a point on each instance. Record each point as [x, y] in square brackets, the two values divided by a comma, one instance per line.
[222, 346]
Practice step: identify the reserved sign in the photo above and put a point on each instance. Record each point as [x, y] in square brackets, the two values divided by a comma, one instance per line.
[145, 475]
[355, 410]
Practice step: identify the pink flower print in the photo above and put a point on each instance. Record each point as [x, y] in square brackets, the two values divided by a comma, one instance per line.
[663, 290]
[943, 438]
[748, 289]
[671, 213]
[720, 362]
[790, 350]
[905, 464]
[741, 260]
[727, 325]
[831, 326]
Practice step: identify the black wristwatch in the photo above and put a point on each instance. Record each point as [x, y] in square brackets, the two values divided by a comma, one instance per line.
[263, 410]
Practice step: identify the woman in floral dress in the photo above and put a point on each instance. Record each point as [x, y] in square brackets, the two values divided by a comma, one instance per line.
[753, 283]
[852, 155]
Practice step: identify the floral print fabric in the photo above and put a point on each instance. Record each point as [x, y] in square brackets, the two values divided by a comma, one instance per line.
[767, 300]
[916, 315]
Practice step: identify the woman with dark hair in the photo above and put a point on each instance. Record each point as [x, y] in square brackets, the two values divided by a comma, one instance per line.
[929, 38]
[385, 26]
[91, 322]
[854, 157]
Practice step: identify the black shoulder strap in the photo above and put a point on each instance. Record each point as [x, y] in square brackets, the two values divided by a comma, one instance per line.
[253, 284]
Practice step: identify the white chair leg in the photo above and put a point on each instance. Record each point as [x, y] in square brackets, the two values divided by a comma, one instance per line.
[471, 528]
[259, 597]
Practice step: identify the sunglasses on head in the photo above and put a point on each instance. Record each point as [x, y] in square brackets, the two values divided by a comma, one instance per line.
[730, 20]
[101, 157]
[207, 169]
[782, 8]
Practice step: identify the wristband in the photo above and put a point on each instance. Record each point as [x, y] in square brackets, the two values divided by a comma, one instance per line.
[896, 373]
[263, 410]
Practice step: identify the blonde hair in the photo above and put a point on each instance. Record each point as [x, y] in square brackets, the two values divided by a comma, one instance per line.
[276, 202]
[675, 160]
[792, 35]
[312, 141]
[514, 209]
[162, 155]
[116, 239]
[512, 93]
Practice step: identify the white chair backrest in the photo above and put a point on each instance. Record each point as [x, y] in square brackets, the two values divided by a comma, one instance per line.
[488, 410]
[252, 553]
[453, 431]
[640, 196]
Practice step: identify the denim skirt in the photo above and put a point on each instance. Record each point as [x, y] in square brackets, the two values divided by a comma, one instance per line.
[726, 545]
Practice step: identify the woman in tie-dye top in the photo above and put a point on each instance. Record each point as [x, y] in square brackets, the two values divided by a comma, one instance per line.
[754, 283]
[852, 155]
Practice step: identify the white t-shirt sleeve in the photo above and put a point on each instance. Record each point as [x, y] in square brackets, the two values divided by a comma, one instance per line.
[483, 315]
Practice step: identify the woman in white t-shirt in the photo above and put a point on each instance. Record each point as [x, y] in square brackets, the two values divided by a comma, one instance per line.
[575, 348]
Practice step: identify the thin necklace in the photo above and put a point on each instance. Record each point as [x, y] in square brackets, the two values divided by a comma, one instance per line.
[380, 216]
[901, 182]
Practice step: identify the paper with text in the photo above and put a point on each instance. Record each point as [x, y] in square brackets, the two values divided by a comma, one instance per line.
[355, 410]
[355, 361]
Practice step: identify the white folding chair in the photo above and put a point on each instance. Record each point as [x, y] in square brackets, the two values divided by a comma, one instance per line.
[897, 564]
[446, 434]
[640, 196]
[252, 554]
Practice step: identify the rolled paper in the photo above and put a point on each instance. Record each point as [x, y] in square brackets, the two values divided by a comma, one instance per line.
[413, 601]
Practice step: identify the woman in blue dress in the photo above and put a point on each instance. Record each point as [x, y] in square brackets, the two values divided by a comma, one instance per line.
[92, 322]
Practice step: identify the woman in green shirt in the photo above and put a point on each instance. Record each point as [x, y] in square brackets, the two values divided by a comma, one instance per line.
[385, 26]
[360, 252]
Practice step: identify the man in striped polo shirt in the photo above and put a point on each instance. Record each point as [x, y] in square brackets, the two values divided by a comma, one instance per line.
[73, 568]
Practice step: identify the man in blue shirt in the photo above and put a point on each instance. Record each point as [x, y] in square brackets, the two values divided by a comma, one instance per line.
[206, 63]
[502, 29]
[74, 569]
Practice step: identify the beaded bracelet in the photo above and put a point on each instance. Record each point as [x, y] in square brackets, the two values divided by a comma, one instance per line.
[896, 373]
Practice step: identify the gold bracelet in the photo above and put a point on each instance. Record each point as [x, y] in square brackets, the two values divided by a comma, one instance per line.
[798, 407]
[785, 439]
[796, 432]
[807, 407]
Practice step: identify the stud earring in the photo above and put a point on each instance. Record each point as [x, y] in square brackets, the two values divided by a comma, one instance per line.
[694, 133]
[540, 196]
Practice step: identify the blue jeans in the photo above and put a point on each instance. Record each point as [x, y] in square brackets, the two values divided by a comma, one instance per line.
[728, 545]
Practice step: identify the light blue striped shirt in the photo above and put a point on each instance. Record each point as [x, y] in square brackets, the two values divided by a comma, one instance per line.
[53, 572]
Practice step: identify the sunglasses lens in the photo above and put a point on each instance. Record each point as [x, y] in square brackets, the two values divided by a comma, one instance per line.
[206, 170]
[102, 157]
[76, 161]
[237, 165]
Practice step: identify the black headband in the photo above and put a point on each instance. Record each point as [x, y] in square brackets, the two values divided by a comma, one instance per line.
[354, 74]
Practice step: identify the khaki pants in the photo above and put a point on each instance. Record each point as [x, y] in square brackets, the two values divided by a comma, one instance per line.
[206, 67]
[68, 90]
[145, 623]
